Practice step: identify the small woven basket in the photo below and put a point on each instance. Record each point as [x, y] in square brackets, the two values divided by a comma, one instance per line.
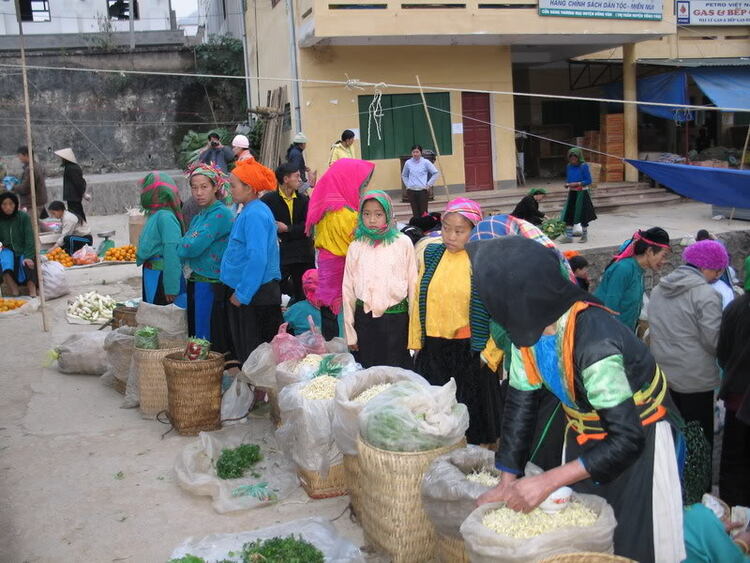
[334, 485]
[123, 316]
[351, 475]
[391, 512]
[450, 550]
[587, 557]
[194, 403]
[152, 383]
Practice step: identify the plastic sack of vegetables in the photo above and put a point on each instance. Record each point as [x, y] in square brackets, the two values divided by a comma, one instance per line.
[268, 481]
[55, 281]
[312, 339]
[485, 545]
[317, 531]
[354, 391]
[147, 338]
[448, 497]
[306, 434]
[260, 367]
[82, 353]
[118, 345]
[287, 347]
[171, 320]
[314, 365]
[407, 417]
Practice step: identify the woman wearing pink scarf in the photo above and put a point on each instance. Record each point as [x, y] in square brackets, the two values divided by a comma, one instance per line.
[331, 220]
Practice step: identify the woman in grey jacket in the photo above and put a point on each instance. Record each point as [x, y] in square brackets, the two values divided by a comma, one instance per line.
[684, 315]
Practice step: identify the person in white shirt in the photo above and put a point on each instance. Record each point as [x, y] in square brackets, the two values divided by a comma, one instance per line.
[75, 233]
[419, 174]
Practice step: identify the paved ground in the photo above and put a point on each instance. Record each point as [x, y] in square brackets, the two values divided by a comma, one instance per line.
[64, 438]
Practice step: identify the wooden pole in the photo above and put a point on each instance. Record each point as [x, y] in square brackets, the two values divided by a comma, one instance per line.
[434, 139]
[34, 212]
[742, 166]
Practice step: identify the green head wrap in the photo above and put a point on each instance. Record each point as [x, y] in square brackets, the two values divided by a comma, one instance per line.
[576, 151]
[159, 191]
[534, 191]
[217, 177]
[386, 234]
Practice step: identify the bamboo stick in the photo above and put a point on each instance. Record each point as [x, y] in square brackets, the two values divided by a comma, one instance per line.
[434, 139]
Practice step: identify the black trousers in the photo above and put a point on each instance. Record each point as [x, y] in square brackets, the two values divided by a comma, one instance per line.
[697, 406]
[382, 341]
[418, 199]
[291, 276]
[329, 323]
[734, 485]
[76, 207]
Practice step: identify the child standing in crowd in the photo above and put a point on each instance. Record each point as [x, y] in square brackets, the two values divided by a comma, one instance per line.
[331, 220]
[203, 246]
[580, 267]
[449, 326]
[621, 287]
[249, 291]
[579, 207]
[379, 283]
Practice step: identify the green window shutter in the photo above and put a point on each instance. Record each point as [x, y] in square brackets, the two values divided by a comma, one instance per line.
[403, 127]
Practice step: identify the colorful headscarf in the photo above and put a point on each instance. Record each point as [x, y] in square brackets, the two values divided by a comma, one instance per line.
[310, 287]
[576, 151]
[339, 187]
[217, 177]
[159, 191]
[252, 173]
[468, 208]
[628, 250]
[388, 232]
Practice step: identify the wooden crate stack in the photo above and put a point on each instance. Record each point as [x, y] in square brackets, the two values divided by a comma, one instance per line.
[612, 141]
[591, 141]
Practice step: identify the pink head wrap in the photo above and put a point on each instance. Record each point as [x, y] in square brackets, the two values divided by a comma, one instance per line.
[629, 250]
[310, 287]
[466, 207]
[708, 254]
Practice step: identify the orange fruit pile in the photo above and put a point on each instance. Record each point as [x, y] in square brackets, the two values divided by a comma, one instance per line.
[59, 255]
[10, 304]
[120, 254]
[87, 259]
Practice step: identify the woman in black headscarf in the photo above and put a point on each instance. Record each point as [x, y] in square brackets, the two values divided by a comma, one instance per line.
[618, 444]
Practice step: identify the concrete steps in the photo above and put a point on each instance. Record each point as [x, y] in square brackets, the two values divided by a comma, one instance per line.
[606, 197]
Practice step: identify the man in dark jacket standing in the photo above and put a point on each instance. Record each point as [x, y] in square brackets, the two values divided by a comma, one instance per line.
[74, 184]
[216, 153]
[23, 189]
[289, 208]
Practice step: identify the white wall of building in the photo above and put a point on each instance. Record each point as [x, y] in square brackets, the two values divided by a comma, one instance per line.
[221, 17]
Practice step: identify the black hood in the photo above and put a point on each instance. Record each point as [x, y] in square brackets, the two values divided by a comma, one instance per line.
[9, 195]
[522, 285]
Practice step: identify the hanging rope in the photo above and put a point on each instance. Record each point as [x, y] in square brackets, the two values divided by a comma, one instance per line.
[375, 112]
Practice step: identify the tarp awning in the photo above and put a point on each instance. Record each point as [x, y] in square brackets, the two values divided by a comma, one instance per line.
[727, 87]
[724, 187]
[670, 87]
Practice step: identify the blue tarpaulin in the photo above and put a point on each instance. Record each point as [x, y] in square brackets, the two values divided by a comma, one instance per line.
[670, 87]
[728, 87]
[718, 186]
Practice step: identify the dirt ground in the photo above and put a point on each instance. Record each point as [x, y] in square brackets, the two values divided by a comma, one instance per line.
[64, 438]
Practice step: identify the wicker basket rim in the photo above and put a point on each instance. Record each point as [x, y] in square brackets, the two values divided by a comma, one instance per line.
[169, 349]
[423, 452]
[124, 309]
[177, 357]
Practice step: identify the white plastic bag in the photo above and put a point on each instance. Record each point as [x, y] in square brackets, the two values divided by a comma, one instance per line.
[487, 546]
[196, 472]
[260, 367]
[408, 417]
[337, 345]
[306, 434]
[313, 365]
[346, 410]
[55, 281]
[236, 402]
[118, 345]
[318, 531]
[171, 320]
[447, 496]
[83, 353]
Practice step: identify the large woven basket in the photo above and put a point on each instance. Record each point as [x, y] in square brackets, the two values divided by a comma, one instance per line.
[194, 392]
[450, 550]
[587, 557]
[123, 316]
[351, 474]
[152, 383]
[392, 515]
[333, 485]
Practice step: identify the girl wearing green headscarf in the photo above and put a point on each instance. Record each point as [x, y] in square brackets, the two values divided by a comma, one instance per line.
[163, 282]
[380, 279]
[579, 207]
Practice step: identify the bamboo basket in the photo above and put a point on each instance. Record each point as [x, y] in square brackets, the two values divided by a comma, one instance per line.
[587, 557]
[124, 316]
[194, 392]
[152, 383]
[119, 385]
[450, 550]
[392, 515]
[334, 484]
[352, 472]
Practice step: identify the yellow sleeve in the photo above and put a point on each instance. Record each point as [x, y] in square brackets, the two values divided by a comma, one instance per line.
[492, 355]
[415, 325]
[335, 231]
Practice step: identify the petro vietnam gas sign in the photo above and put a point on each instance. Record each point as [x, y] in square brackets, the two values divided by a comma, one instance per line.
[612, 9]
[706, 12]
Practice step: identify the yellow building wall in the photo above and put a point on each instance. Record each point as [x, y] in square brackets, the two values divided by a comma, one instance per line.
[329, 109]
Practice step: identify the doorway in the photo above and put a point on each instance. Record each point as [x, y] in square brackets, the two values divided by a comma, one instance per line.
[477, 141]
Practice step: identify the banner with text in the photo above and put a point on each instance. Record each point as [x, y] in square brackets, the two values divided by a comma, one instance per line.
[706, 12]
[612, 9]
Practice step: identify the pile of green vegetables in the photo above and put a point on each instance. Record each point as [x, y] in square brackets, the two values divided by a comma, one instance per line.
[553, 228]
[233, 463]
[274, 550]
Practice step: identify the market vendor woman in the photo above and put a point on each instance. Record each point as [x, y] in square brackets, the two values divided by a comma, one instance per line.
[17, 250]
[162, 281]
[579, 207]
[619, 443]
